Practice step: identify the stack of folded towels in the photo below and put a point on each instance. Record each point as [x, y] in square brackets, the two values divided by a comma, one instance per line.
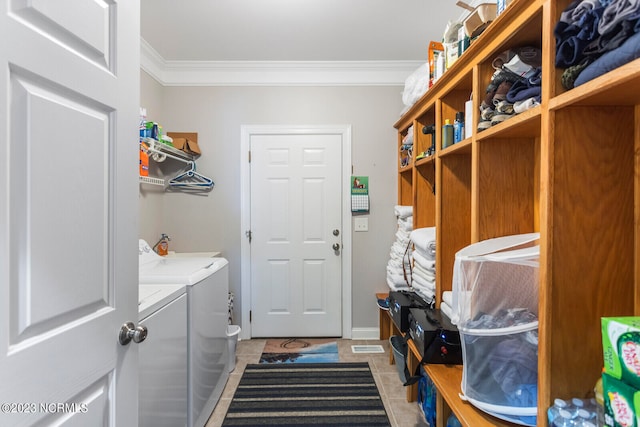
[424, 262]
[399, 257]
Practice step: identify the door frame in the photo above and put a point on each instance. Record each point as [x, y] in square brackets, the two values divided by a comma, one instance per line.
[246, 132]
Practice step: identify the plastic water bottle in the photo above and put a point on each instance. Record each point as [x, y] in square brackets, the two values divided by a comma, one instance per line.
[564, 419]
[577, 405]
[458, 127]
[554, 411]
[581, 421]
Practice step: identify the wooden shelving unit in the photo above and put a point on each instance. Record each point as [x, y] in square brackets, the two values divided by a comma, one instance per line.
[569, 169]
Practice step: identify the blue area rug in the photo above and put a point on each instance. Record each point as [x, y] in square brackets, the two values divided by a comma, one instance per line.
[300, 350]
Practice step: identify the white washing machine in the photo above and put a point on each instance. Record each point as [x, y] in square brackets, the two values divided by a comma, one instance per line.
[207, 289]
[162, 393]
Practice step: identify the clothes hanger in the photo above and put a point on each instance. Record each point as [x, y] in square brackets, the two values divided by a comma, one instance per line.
[191, 179]
[187, 180]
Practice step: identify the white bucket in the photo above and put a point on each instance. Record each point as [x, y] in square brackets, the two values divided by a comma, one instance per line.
[232, 341]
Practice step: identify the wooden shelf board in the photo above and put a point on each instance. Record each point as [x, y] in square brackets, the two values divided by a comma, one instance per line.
[447, 379]
[462, 147]
[618, 87]
[425, 161]
[525, 125]
[405, 169]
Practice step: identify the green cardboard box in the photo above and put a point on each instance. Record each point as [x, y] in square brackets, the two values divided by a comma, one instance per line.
[621, 348]
[621, 403]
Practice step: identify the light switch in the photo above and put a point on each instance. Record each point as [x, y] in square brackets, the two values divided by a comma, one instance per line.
[361, 224]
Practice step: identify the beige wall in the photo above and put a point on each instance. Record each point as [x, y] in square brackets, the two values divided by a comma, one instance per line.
[212, 222]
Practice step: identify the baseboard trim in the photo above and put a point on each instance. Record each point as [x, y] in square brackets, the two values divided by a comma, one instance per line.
[365, 333]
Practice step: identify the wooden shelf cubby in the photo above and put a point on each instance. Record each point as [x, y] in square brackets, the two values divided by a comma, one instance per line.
[568, 169]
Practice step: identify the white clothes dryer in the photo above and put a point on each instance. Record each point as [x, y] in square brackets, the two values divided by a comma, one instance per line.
[162, 361]
[207, 289]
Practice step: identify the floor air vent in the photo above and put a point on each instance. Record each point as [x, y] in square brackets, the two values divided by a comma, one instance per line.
[367, 349]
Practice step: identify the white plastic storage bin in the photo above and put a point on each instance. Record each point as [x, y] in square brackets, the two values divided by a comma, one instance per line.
[495, 297]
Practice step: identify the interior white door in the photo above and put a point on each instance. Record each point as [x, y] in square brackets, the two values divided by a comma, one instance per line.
[69, 98]
[296, 276]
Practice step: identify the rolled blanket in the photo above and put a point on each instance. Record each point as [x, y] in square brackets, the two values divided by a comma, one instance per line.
[424, 239]
[403, 211]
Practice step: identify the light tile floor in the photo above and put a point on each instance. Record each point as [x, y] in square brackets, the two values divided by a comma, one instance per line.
[401, 413]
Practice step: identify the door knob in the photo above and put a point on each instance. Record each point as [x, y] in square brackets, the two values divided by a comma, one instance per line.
[336, 247]
[129, 332]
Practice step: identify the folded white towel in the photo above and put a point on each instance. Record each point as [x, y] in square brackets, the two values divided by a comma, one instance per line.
[404, 233]
[398, 279]
[427, 275]
[403, 211]
[427, 296]
[420, 259]
[397, 250]
[395, 287]
[406, 223]
[447, 297]
[446, 309]
[400, 250]
[404, 241]
[424, 239]
[393, 269]
[396, 266]
[420, 282]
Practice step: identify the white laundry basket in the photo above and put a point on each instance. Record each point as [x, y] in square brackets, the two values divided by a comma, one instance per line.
[495, 290]
[232, 341]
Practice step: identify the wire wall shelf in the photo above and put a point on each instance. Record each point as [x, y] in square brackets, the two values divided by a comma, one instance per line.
[151, 181]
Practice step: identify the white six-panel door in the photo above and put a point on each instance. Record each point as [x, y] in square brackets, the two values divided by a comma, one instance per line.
[69, 98]
[296, 235]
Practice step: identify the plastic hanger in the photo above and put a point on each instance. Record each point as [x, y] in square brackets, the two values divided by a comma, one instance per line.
[191, 179]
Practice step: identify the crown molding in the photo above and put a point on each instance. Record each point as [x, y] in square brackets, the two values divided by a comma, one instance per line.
[273, 73]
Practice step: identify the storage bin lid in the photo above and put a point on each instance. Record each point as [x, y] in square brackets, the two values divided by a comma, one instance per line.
[495, 274]
[497, 245]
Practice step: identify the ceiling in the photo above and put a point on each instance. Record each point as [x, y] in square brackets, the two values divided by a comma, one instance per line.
[294, 30]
